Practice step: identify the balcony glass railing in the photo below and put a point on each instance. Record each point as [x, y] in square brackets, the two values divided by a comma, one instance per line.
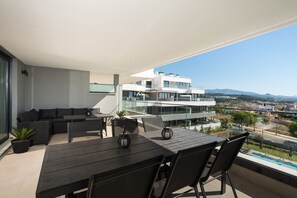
[171, 99]
[172, 113]
[102, 88]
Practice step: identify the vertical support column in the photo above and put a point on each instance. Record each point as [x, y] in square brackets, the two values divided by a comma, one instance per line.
[118, 90]
[116, 79]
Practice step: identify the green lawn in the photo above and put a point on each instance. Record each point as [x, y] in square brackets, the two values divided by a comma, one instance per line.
[271, 151]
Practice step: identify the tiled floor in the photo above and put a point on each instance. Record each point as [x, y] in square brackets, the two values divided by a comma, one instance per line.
[19, 175]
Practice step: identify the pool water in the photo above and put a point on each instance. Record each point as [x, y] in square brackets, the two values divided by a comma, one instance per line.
[275, 161]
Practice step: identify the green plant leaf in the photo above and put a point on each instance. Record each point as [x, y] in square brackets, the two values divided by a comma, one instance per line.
[23, 133]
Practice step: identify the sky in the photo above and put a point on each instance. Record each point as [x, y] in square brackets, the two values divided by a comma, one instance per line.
[264, 64]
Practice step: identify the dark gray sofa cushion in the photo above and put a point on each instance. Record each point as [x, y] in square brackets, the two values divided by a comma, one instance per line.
[34, 114]
[25, 117]
[47, 113]
[81, 111]
[62, 112]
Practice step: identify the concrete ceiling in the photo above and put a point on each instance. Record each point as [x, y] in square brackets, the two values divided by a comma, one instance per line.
[126, 37]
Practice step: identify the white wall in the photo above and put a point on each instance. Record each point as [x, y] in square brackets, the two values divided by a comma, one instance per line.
[157, 82]
[101, 78]
[61, 88]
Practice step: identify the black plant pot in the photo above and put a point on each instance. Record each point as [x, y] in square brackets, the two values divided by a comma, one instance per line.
[20, 146]
[119, 122]
[31, 142]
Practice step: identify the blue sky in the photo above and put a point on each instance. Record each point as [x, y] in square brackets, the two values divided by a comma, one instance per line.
[264, 64]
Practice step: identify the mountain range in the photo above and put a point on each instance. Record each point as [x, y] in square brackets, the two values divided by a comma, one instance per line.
[238, 92]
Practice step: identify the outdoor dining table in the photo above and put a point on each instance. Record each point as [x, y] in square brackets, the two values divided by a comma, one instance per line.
[181, 139]
[67, 167]
[106, 119]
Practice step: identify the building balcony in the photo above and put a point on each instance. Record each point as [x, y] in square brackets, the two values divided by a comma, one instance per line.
[169, 103]
[196, 91]
[134, 87]
[169, 116]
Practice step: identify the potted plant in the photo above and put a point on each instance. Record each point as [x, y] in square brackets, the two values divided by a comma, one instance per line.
[121, 114]
[120, 119]
[22, 140]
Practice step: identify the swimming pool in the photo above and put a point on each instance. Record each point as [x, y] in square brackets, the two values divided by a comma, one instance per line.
[275, 161]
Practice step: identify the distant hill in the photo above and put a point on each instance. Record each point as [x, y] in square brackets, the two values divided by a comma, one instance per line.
[245, 93]
[230, 92]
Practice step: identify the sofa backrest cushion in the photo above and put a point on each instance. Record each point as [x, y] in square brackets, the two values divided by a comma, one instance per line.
[62, 112]
[47, 113]
[25, 117]
[34, 114]
[81, 111]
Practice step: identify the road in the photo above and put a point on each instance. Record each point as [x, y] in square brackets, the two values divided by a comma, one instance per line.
[271, 136]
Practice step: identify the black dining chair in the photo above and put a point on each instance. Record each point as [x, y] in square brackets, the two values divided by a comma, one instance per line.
[118, 125]
[187, 168]
[222, 163]
[133, 181]
[152, 123]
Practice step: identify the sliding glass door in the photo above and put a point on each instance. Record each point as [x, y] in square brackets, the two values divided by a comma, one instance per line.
[4, 98]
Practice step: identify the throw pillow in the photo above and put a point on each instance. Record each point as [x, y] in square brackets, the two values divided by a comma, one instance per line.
[35, 114]
[25, 117]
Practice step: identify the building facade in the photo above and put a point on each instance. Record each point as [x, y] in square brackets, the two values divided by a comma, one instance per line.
[172, 97]
[265, 106]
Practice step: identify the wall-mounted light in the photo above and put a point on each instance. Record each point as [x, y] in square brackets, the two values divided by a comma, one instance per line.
[25, 72]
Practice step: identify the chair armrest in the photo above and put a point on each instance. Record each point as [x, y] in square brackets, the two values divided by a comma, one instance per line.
[42, 130]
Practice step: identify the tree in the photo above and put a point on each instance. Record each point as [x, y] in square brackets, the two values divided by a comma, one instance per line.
[293, 128]
[250, 119]
[219, 110]
[225, 123]
[244, 118]
[238, 117]
[265, 120]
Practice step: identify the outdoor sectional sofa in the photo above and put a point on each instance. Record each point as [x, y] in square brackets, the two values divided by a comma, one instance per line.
[48, 121]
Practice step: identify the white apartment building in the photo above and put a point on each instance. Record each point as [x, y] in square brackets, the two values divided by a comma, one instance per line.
[172, 97]
[293, 107]
[266, 107]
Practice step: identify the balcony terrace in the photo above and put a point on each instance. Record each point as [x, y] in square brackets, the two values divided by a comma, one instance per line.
[64, 54]
[25, 177]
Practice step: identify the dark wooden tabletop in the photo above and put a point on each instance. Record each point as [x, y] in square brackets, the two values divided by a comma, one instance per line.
[67, 167]
[182, 139]
[74, 117]
[103, 115]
